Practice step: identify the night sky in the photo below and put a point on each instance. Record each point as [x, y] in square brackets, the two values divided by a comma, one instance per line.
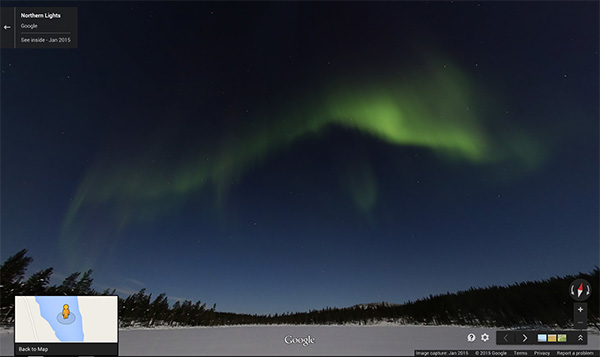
[273, 157]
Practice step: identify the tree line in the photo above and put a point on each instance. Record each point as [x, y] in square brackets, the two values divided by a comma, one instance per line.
[137, 309]
[534, 303]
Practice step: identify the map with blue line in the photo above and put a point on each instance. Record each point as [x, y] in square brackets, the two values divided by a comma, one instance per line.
[66, 322]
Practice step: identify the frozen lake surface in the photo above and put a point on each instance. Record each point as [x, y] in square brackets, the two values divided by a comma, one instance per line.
[327, 340]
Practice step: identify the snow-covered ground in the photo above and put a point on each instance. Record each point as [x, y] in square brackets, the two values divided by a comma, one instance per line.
[328, 340]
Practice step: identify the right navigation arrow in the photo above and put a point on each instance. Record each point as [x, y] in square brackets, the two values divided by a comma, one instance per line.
[524, 337]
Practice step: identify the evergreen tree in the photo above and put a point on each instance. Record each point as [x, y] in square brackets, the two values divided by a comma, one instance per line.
[159, 310]
[108, 292]
[12, 272]
[84, 285]
[68, 286]
[174, 314]
[37, 284]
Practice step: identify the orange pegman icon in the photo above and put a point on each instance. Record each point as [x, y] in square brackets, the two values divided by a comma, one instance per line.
[66, 312]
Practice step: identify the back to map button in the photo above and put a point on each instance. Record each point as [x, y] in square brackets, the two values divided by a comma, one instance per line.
[54, 325]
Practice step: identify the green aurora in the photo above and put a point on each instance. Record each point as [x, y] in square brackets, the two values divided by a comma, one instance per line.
[438, 111]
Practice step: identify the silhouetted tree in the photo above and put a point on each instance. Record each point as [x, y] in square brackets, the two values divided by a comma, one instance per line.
[12, 272]
[159, 310]
[37, 284]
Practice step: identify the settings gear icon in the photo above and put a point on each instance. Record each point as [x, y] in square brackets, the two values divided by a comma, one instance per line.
[485, 337]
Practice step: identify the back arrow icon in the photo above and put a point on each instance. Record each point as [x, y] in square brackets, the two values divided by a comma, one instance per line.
[6, 27]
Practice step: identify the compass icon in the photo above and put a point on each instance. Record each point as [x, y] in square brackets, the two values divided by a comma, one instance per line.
[580, 290]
